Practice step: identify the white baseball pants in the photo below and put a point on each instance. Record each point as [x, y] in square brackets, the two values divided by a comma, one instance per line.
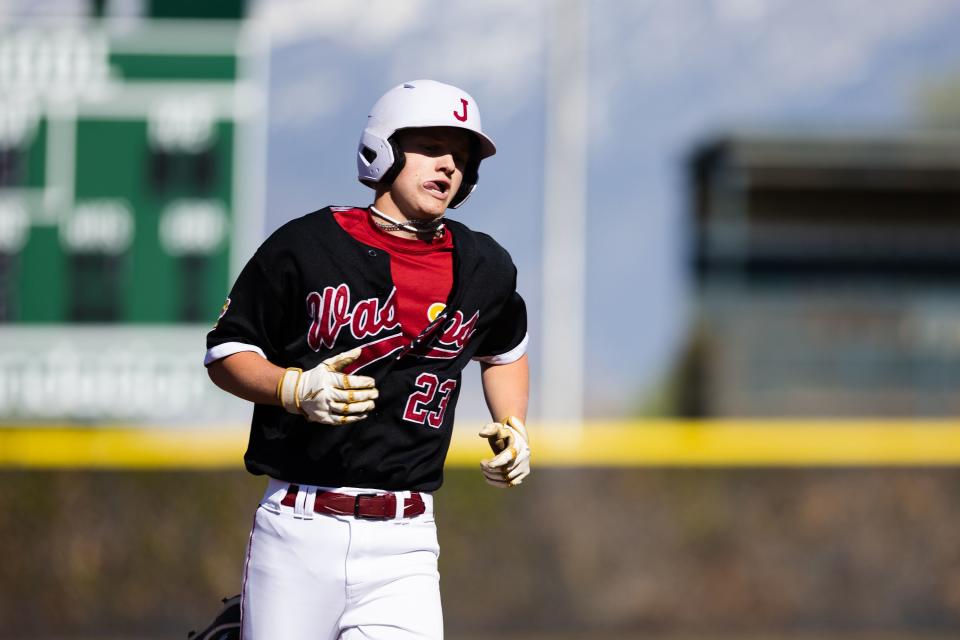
[312, 576]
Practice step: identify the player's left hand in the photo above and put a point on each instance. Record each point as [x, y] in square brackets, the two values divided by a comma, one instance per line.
[509, 441]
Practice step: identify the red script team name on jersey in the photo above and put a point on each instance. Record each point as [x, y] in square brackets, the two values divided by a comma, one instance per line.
[331, 313]
[456, 334]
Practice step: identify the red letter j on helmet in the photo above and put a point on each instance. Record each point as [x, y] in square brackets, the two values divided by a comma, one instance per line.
[462, 118]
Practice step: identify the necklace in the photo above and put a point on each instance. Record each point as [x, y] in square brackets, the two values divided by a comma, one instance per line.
[413, 226]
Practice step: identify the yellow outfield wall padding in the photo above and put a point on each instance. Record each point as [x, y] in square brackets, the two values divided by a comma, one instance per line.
[122, 447]
[711, 443]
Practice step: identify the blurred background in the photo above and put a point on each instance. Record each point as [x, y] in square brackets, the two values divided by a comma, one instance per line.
[737, 229]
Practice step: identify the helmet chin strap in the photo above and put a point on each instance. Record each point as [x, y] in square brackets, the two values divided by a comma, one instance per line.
[413, 226]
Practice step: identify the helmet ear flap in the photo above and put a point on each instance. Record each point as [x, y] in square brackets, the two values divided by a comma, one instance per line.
[399, 159]
[471, 175]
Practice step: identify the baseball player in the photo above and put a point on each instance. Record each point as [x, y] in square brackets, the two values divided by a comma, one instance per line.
[349, 329]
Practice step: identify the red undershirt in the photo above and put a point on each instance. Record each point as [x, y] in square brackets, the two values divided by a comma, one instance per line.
[422, 270]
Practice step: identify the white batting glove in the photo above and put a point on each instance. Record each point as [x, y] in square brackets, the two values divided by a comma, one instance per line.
[324, 394]
[509, 442]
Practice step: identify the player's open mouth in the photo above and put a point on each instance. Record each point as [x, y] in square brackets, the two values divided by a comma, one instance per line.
[436, 187]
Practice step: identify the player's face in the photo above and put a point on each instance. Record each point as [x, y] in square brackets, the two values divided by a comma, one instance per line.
[435, 158]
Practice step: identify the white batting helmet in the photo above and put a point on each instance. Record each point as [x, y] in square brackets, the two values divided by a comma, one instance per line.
[416, 104]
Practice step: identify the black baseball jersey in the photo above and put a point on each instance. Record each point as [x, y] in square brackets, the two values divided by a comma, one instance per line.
[312, 291]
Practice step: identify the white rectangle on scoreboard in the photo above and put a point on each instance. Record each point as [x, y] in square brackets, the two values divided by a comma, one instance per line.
[130, 374]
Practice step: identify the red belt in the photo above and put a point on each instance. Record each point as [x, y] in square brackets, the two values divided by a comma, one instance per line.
[371, 506]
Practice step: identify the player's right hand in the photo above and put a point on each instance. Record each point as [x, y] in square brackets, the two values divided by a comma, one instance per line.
[325, 394]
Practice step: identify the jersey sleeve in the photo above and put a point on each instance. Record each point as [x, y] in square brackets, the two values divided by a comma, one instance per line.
[251, 319]
[506, 341]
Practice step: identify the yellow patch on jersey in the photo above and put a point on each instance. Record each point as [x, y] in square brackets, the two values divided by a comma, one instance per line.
[434, 310]
[226, 305]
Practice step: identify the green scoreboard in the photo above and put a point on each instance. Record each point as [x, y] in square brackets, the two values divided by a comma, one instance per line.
[131, 190]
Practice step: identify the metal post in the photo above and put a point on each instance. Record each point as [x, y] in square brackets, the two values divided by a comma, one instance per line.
[565, 179]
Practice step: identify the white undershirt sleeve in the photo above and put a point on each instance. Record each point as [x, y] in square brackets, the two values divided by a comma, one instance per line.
[221, 351]
[510, 356]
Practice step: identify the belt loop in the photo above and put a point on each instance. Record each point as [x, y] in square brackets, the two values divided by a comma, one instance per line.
[309, 498]
[401, 502]
[298, 510]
